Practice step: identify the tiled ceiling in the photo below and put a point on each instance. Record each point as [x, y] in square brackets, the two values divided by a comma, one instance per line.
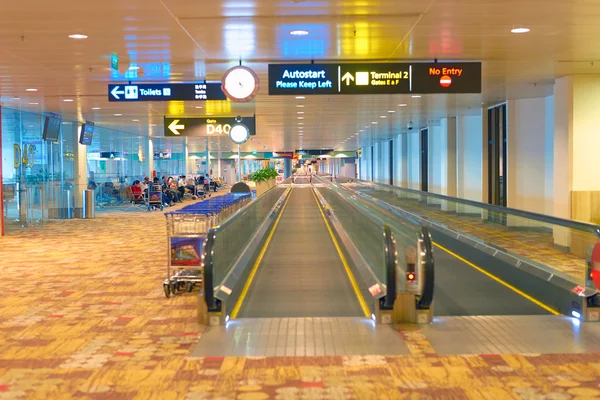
[187, 40]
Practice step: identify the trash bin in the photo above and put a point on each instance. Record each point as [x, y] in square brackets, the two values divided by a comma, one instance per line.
[89, 205]
[67, 205]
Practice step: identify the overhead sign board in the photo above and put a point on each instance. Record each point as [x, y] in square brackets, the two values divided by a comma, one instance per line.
[314, 152]
[181, 127]
[166, 92]
[375, 78]
[283, 154]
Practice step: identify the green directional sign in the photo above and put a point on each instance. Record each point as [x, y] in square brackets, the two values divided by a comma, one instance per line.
[114, 61]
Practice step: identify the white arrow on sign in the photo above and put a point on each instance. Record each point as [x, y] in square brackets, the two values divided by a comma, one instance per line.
[116, 92]
[348, 77]
[173, 127]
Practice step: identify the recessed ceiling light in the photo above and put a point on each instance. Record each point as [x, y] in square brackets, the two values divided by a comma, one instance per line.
[300, 117]
[382, 116]
[391, 111]
[34, 104]
[118, 115]
[78, 36]
[135, 120]
[300, 106]
[374, 123]
[300, 97]
[361, 130]
[68, 100]
[15, 98]
[416, 96]
[95, 108]
[300, 123]
[198, 106]
[299, 32]
[300, 112]
[401, 105]
[520, 30]
[31, 90]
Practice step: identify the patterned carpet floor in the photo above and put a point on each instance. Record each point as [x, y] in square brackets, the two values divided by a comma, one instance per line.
[83, 316]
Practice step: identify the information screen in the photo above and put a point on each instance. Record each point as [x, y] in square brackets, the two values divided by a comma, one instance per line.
[87, 133]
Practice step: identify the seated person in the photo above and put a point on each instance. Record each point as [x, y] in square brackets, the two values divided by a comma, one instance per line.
[144, 184]
[181, 186]
[136, 189]
[165, 199]
[173, 188]
[191, 185]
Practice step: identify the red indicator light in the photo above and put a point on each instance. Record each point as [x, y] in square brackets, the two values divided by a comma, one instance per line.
[410, 276]
[445, 81]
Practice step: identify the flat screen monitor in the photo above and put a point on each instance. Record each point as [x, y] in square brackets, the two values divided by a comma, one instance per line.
[162, 155]
[87, 133]
[52, 128]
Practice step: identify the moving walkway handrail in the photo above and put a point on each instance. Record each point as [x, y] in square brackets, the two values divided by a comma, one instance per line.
[583, 226]
[428, 270]
[391, 264]
[394, 282]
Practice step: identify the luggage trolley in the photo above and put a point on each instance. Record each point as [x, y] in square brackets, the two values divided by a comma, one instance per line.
[154, 198]
[186, 232]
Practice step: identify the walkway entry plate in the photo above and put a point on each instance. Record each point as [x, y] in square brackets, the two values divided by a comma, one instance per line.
[375, 78]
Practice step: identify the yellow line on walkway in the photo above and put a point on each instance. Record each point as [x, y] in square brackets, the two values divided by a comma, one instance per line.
[359, 296]
[238, 304]
[500, 281]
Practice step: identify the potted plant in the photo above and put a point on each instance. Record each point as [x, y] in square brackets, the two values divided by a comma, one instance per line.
[264, 179]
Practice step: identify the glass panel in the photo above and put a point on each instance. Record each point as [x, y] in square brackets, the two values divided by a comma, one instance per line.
[39, 177]
[234, 235]
[560, 247]
[364, 223]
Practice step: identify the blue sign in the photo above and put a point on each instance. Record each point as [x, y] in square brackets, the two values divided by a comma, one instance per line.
[303, 79]
[199, 91]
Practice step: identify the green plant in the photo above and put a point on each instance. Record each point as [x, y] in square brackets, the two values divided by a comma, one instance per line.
[294, 170]
[263, 175]
[271, 172]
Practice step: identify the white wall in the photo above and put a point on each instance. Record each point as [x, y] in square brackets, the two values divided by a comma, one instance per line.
[413, 160]
[469, 157]
[349, 169]
[365, 166]
[586, 132]
[437, 142]
[382, 162]
[549, 157]
[528, 155]
[399, 160]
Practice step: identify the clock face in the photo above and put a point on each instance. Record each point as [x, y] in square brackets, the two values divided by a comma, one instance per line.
[239, 133]
[240, 84]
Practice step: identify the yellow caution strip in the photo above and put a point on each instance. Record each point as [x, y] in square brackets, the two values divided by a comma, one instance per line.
[359, 296]
[238, 304]
[500, 281]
